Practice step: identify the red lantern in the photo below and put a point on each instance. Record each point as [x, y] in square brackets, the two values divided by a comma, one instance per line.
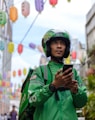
[13, 13]
[39, 5]
[20, 48]
[25, 8]
[73, 54]
[19, 72]
[53, 2]
[3, 83]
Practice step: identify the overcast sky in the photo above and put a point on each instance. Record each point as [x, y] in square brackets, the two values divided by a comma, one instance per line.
[69, 16]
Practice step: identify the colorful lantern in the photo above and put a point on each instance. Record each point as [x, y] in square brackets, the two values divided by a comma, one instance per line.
[39, 5]
[73, 54]
[2, 17]
[32, 45]
[2, 45]
[0, 83]
[20, 48]
[10, 47]
[40, 48]
[25, 8]
[3, 83]
[67, 60]
[53, 2]
[13, 13]
[8, 74]
[14, 73]
[19, 72]
[4, 75]
[69, 0]
[24, 71]
[1, 90]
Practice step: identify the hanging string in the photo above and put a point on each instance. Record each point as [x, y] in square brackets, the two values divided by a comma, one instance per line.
[29, 28]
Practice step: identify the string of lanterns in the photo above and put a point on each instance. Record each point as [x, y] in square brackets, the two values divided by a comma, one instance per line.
[25, 10]
[20, 47]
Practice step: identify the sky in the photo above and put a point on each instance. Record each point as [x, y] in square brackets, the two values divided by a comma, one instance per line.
[64, 16]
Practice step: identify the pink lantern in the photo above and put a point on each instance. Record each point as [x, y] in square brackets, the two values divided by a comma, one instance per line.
[53, 2]
[40, 48]
[19, 72]
[39, 5]
[25, 8]
[20, 48]
[73, 54]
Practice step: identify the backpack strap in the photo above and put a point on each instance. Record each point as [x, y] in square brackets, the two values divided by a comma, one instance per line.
[46, 73]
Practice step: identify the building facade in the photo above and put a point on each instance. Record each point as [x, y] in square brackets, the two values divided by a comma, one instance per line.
[90, 34]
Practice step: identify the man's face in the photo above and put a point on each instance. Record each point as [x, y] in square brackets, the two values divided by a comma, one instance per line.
[58, 47]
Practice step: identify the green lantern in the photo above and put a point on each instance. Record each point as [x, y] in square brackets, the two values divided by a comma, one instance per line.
[2, 17]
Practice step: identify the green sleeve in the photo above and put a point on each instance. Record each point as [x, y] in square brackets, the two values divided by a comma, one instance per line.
[80, 98]
[38, 92]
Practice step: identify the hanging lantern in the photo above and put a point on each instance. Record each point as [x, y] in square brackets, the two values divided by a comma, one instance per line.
[39, 5]
[8, 74]
[40, 48]
[68, 0]
[2, 17]
[2, 45]
[25, 7]
[14, 73]
[24, 71]
[10, 47]
[4, 75]
[19, 72]
[13, 13]
[53, 2]
[20, 48]
[67, 60]
[3, 83]
[32, 45]
[73, 54]
[0, 83]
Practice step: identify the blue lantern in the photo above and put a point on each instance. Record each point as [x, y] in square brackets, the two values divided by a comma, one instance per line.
[2, 45]
[39, 5]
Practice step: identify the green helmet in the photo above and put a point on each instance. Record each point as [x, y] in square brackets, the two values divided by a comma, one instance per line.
[51, 35]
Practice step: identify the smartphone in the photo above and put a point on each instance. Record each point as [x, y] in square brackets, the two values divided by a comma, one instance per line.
[66, 66]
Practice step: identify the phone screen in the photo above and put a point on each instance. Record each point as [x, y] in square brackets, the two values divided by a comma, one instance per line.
[65, 67]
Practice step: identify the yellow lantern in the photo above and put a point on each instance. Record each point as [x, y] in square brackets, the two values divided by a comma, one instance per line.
[24, 71]
[10, 47]
[67, 60]
[13, 13]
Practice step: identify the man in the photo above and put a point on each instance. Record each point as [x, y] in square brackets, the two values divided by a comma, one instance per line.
[63, 92]
[13, 113]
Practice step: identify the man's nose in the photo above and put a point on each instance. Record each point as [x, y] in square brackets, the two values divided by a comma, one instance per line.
[59, 45]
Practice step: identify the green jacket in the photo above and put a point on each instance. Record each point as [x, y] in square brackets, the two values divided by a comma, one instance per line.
[47, 106]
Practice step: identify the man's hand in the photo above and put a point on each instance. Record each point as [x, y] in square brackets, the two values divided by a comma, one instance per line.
[63, 78]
